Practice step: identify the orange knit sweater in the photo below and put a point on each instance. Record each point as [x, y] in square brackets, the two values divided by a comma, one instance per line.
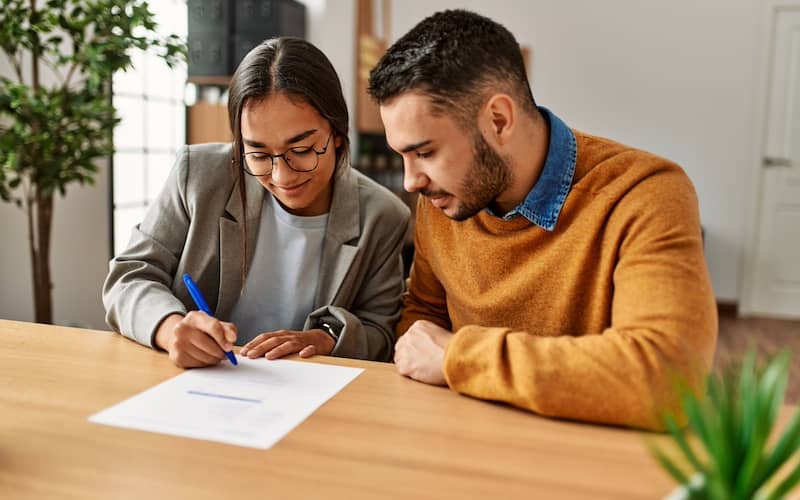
[597, 320]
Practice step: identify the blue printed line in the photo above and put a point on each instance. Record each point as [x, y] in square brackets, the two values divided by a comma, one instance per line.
[223, 396]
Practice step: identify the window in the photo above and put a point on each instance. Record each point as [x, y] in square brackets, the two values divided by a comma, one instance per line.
[149, 100]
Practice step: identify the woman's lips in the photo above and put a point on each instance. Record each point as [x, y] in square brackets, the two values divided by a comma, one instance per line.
[291, 190]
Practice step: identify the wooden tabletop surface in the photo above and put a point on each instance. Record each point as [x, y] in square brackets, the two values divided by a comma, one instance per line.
[383, 436]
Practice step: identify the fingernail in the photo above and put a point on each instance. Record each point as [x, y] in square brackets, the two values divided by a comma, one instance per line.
[243, 352]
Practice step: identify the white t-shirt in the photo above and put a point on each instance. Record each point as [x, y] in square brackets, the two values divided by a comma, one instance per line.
[282, 280]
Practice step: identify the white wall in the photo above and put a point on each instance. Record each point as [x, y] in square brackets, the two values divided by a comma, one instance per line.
[331, 26]
[673, 77]
[676, 78]
[79, 254]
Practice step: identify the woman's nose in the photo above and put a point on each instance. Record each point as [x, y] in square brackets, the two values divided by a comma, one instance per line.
[280, 169]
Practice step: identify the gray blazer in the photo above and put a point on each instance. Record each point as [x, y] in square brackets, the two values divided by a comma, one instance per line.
[195, 226]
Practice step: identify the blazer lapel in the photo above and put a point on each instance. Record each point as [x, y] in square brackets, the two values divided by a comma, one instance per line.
[231, 230]
[341, 240]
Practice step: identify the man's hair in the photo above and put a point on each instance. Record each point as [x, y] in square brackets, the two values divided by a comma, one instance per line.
[456, 57]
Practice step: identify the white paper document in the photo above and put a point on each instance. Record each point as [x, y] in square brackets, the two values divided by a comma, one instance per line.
[253, 404]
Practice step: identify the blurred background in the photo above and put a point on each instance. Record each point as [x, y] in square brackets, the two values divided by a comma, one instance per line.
[713, 85]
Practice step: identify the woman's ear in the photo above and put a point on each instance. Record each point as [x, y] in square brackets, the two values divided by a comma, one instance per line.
[500, 112]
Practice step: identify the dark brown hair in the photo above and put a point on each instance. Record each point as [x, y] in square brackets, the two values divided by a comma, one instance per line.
[296, 68]
[455, 57]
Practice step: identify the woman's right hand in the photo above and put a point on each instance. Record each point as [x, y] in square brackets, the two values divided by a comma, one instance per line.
[196, 339]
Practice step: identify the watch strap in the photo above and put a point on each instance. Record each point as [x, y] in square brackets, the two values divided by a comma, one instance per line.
[331, 329]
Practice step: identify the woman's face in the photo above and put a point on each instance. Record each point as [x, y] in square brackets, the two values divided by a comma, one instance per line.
[277, 125]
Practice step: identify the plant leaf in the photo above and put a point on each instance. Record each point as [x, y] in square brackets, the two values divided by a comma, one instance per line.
[680, 438]
[786, 446]
[769, 398]
[787, 484]
[668, 464]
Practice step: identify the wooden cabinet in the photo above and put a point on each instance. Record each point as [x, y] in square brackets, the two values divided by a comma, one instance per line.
[373, 157]
[207, 122]
[370, 46]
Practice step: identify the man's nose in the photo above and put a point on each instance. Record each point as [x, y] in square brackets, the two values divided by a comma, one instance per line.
[413, 178]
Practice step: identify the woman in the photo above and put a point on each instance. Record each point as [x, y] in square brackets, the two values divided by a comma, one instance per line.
[293, 251]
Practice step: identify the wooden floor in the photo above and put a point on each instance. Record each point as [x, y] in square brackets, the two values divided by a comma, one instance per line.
[768, 335]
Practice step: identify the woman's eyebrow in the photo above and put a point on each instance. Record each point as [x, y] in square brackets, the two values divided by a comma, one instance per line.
[253, 144]
[297, 138]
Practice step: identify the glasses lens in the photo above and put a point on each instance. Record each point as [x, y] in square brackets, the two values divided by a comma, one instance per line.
[258, 164]
[298, 159]
[302, 160]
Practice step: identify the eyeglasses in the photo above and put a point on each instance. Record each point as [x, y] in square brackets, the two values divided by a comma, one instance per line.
[299, 159]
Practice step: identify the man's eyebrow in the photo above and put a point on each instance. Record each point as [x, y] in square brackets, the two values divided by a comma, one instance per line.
[297, 138]
[412, 147]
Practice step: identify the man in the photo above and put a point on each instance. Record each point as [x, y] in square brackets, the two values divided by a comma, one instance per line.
[554, 270]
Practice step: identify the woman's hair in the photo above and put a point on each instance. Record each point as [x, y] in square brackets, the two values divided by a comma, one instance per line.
[297, 69]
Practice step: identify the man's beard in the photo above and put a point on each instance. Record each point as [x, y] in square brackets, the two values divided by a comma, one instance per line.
[488, 176]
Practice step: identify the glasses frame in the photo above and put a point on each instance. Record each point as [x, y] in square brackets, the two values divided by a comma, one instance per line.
[273, 158]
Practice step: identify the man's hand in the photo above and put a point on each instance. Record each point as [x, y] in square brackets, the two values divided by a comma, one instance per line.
[196, 339]
[419, 353]
[274, 345]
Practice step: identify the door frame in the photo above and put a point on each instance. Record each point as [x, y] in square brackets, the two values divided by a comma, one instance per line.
[767, 26]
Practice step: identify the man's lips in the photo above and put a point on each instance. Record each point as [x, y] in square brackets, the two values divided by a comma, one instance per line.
[439, 201]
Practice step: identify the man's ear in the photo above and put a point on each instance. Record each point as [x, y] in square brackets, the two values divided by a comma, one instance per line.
[501, 113]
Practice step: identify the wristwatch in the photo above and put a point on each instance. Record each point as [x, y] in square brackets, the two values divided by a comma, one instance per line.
[331, 329]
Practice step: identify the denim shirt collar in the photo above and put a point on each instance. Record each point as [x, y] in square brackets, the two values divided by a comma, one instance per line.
[544, 202]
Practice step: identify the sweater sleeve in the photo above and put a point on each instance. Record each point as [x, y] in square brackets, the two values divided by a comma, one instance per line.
[425, 297]
[662, 333]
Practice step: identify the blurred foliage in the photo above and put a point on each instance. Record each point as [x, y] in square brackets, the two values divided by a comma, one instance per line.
[51, 135]
[730, 449]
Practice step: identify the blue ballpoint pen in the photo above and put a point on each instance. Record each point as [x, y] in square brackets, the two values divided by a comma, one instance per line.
[203, 306]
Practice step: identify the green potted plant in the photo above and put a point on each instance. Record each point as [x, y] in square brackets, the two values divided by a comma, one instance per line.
[731, 448]
[53, 130]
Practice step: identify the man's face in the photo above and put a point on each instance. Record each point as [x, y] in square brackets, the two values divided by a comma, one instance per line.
[459, 171]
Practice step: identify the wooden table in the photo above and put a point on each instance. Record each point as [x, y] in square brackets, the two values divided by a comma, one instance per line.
[383, 436]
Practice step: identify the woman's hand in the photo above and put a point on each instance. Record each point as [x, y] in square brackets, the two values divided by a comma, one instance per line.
[274, 345]
[196, 339]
